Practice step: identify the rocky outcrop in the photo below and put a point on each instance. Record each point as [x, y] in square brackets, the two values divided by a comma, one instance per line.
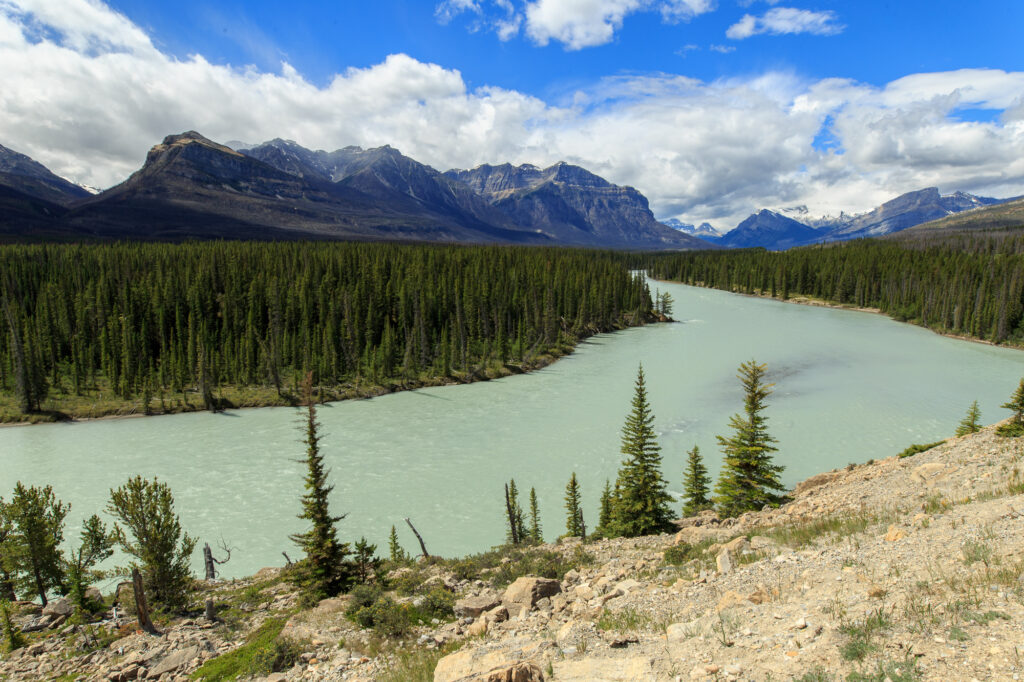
[523, 595]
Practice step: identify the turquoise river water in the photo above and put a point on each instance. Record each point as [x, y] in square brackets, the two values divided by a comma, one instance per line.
[849, 387]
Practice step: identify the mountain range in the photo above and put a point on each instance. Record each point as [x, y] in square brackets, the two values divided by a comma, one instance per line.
[192, 187]
[779, 230]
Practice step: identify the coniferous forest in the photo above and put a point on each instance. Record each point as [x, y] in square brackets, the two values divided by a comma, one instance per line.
[969, 284]
[93, 329]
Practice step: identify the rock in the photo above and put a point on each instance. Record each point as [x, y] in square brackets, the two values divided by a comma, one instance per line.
[522, 595]
[499, 614]
[814, 482]
[477, 629]
[729, 600]
[593, 669]
[620, 641]
[800, 624]
[584, 592]
[724, 562]
[931, 472]
[520, 672]
[759, 595]
[473, 607]
[737, 545]
[680, 632]
[477, 664]
[174, 661]
[895, 533]
[628, 585]
[59, 607]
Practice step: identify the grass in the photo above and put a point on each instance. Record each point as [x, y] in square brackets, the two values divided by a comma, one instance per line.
[838, 526]
[631, 620]
[893, 671]
[416, 665]
[918, 448]
[263, 653]
[860, 635]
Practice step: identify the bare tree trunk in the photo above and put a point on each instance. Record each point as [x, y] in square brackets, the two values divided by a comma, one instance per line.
[423, 547]
[211, 569]
[140, 604]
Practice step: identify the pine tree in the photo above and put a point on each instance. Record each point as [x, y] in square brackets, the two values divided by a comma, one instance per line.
[398, 555]
[37, 517]
[324, 572]
[970, 423]
[163, 551]
[604, 517]
[366, 565]
[641, 506]
[574, 525]
[535, 532]
[749, 480]
[515, 531]
[696, 484]
[13, 639]
[1015, 427]
[95, 545]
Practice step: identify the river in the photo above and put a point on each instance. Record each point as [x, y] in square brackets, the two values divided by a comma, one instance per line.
[850, 386]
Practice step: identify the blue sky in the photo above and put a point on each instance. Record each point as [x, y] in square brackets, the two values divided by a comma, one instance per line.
[712, 108]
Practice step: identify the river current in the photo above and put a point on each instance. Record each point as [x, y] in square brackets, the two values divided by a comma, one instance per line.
[849, 386]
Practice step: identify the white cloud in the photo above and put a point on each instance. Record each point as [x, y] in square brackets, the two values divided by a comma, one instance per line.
[722, 49]
[699, 150]
[783, 20]
[576, 24]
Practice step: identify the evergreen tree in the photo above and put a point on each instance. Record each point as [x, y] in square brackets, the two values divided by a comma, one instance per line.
[1014, 427]
[536, 533]
[604, 517]
[37, 517]
[749, 480]
[574, 525]
[162, 551]
[324, 572]
[696, 484]
[13, 639]
[95, 545]
[970, 423]
[365, 563]
[8, 554]
[397, 554]
[515, 530]
[641, 506]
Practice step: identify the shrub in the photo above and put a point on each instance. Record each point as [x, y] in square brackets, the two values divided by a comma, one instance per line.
[437, 603]
[918, 448]
[385, 617]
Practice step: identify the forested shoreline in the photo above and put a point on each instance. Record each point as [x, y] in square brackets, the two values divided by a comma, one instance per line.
[968, 284]
[93, 330]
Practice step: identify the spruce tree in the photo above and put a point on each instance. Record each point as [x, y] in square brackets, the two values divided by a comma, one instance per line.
[95, 545]
[535, 532]
[604, 517]
[37, 517]
[324, 572]
[574, 525]
[515, 531]
[749, 480]
[696, 484]
[970, 423]
[1015, 427]
[366, 565]
[641, 506]
[398, 555]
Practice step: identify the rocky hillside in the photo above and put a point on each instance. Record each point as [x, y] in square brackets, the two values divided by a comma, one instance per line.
[901, 569]
[770, 230]
[22, 174]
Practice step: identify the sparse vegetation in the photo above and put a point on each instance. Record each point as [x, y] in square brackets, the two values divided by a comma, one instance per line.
[915, 449]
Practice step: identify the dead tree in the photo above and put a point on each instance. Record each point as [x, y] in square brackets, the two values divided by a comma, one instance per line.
[426, 554]
[211, 562]
[140, 604]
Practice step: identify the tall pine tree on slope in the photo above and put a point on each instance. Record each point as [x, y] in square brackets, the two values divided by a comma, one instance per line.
[642, 504]
[749, 480]
[324, 572]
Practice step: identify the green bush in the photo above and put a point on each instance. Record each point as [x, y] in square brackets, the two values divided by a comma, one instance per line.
[408, 583]
[262, 654]
[385, 617]
[362, 596]
[437, 603]
[917, 448]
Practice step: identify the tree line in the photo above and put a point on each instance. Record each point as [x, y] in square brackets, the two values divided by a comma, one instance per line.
[969, 284]
[148, 322]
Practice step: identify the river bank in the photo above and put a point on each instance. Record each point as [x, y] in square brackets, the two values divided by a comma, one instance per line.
[822, 303]
[907, 568]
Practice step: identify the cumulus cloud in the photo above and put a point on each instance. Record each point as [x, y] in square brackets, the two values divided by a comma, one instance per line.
[783, 20]
[90, 104]
[576, 24]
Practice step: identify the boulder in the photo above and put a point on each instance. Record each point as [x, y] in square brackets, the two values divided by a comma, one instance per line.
[59, 607]
[499, 614]
[473, 607]
[895, 533]
[478, 664]
[724, 562]
[520, 672]
[522, 595]
[628, 585]
[931, 472]
[593, 669]
[177, 660]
